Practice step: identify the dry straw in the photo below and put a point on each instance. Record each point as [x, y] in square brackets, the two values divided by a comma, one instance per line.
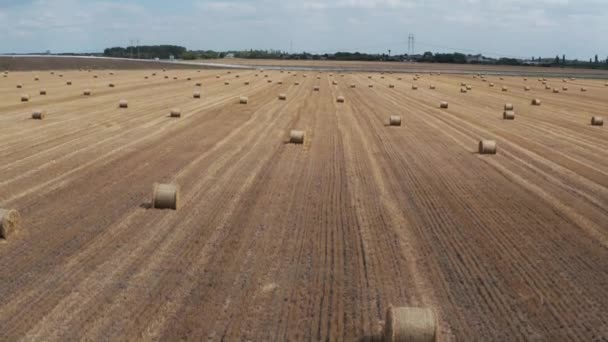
[165, 196]
[42, 92]
[536, 102]
[123, 104]
[38, 114]
[10, 222]
[504, 88]
[282, 97]
[597, 121]
[508, 106]
[443, 104]
[414, 87]
[86, 92]
[340, 99]
[196, 95]
[25, 98]
[487, 147]
[391, 86]
[316, 88]
[405, 324]
[508, 115]
[432, 87]
[296, 137]
[243, 100]
[394, 120]
[175, 113]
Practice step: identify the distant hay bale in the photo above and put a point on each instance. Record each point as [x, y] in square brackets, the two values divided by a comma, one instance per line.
[25, 98]
[414, 87]
[340, 99]
[487, 147]
[597, 121]
[369, 77]
[555, 91]
[400, 79]
[508, 115]
[564, 80]
[111, 85]
[199, 84]
[463, 90]
[146, 77]
[165, 196]
[410, 324]
[189, 79]
[334, 83]
[527, 88]
[394, 120]
[60, 75]
[508, 106]
[243, 100]
[269, 81]
[536, 102]
[370, 85]
[525, 79]
[282, 97]
[42, 92]
[469, 87]
[86, 92]
[166, 77]
[463, 84]
[111, 74]
[123, 104]
[95, 76]
[502, 79]
[36, 78]
[175, 77]
[68, 83]
[547, 87]
[175, 113]
[391, 86]
[280, 82]
[443, 104]
[226, 83]
[296, 83]
[19, 86]
[296, 137]
[504, 88]
[196, 95]
[246, 82]
[353, 85]
[572, 79]
[491, 85]
[38, 114]
[238, 76]
[10, 222]
[432, 87]
[316, 88]
[217, 76]
[583, 89]
[564, 88]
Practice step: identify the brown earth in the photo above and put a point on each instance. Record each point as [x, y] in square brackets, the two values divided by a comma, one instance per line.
[275, 241]
[411, 67]
[71, 63]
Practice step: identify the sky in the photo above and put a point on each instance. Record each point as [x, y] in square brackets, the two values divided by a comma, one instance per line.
[495, 28]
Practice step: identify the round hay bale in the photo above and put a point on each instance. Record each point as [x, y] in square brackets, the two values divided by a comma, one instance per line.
[353, 86]
[502, 79]
[414, 87]
[432, 87]
[95, 76]
[463, 84]
[547, 87]
[52, 73]
[165, 196]
[189, 79]
[340, 99]
[536, 102]
[491, 85]
[10, 221]
[555, 91]
[597, 121]
[469, 87]
[175, 77]
[146, 77]
[334, 83]
[68, 83]
[111, 74]
[246, 82]
[42, 92]
[217, 76]
[19, 86]
[123, 104]
[391, 86]
[508, 115]
[525, 79]
[280, 82]
[508, 106]
[296, 137]
[527, 88]
[504, 88]
[196, 95]
[443, 104]
[243, 100]
[282, 97]
[316, 88]
[86, 92]
[111, 85]
[463, 90]
[226, 83]
[175, 113]
[371, 86]
[166, 77]
[487, 147]
[60, 75]
[399, 78]
[36, 78]
[410, 324]
[38, 114]
[269, 81]
[583, 89]
[394, 120]
[25, 98]
[296, 83]
[564, 88]
[199, 84]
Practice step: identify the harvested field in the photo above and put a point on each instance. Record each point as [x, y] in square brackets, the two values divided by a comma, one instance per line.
[313, 241]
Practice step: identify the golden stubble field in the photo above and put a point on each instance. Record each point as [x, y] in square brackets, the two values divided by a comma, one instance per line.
[279, 241]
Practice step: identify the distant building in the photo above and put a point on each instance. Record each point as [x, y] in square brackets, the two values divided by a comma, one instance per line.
[229, 55]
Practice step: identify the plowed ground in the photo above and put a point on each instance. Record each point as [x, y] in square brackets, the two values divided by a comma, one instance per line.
[275, 241]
